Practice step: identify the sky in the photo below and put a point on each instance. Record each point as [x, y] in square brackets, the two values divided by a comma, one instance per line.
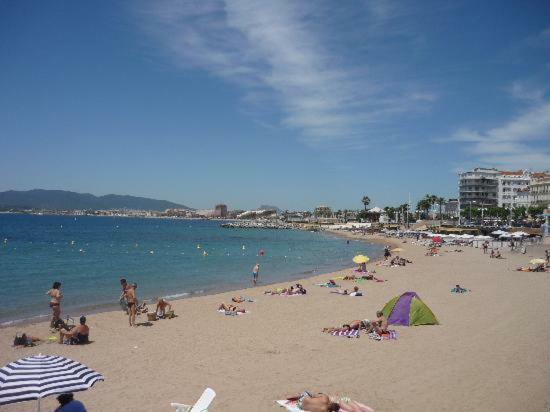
[286, 103]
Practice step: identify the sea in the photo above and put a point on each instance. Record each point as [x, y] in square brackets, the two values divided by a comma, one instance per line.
[174, 258]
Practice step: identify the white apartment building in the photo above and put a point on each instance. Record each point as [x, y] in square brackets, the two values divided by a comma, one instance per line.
[509, 185]
[540, 189]
[478, 188]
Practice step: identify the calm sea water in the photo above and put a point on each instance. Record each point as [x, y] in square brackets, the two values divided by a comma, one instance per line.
[165, 257]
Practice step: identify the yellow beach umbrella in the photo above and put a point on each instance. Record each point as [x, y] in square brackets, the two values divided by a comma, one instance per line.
[361, 259]
[537, 261]
[397, 249]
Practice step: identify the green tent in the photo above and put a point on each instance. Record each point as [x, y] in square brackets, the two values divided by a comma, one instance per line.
[408, 310]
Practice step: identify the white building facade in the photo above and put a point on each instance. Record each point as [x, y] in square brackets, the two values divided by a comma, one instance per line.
[509, 185]
[478, 188]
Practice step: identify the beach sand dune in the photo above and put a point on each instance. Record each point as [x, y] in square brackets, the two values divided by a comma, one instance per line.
[490, 352]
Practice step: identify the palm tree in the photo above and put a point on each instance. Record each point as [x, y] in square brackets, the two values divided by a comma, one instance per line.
[365, 201]
[424, 204]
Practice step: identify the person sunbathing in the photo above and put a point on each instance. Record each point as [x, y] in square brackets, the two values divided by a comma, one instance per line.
[356, 292]
[76, 336]
[340, 292]
[380, 325]
[345, 327]
[320, 402]
[498, 255]
[26, 340]
[458, 289]
[231, 308]
[349, 277]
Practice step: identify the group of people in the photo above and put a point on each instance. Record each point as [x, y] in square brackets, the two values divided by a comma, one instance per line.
[297, 289]
[379, 326]
[70, 334]
[399, 261]
[129, 302]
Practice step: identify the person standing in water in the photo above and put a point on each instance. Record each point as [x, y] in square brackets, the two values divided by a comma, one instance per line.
[255, 273]
[55, 301]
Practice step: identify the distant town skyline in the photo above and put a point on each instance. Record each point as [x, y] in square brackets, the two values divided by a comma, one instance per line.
[291, 104]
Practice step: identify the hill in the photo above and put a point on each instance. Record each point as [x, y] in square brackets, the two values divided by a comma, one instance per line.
[65, 200]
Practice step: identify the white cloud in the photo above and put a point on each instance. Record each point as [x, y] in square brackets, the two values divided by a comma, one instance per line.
[523, 142]
[524, 91]
[272, 46]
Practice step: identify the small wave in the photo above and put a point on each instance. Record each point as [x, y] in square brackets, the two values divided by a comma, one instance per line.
[177, 295]
[22, 320]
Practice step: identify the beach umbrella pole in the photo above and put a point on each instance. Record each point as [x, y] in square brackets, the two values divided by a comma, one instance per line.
[38, 405]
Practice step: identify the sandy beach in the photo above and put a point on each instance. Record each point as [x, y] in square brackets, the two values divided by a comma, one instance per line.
[488, 353]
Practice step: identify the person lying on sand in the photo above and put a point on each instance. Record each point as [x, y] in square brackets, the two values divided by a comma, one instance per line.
[340, 291]
[356, 292]
[231, 308]
[320, 402]
[26, 340]
[353, 325]
[458, 289]
[380, 325]
[77, 335]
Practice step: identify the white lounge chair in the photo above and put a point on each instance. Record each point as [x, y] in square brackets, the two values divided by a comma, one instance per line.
[200, 406]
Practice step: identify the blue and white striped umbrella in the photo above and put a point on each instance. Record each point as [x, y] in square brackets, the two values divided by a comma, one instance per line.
[39, 376]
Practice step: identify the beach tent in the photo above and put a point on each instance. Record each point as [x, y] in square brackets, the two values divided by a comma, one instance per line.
[408, 310]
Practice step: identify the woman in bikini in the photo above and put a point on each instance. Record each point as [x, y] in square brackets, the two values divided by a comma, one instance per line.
[55, 300]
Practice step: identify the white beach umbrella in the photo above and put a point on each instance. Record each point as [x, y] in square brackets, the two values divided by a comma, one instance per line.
[520, 234]
[504, 235]
[39, 376]
[498, 232]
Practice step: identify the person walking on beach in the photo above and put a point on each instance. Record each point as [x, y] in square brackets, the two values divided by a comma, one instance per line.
[55, 301]
[485, 247]
[255, 273]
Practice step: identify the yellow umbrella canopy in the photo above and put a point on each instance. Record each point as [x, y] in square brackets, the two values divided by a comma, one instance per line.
[537, 261]
[361, 259]
[397, 249]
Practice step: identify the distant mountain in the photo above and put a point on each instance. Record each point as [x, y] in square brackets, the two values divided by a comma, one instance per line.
[64, 200]
[267, 207]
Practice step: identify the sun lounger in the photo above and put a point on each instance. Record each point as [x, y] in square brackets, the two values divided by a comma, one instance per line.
[200, 406]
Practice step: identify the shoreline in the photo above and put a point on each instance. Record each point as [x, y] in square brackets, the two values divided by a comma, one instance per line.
[278, 347]
[99, 308]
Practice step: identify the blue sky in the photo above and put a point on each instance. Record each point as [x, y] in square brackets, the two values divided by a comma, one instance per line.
[294, 104]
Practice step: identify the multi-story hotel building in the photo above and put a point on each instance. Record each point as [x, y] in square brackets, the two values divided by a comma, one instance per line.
[478, 188]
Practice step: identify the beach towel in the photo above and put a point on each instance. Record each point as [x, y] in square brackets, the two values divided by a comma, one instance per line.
[352, 333]
[392, 334]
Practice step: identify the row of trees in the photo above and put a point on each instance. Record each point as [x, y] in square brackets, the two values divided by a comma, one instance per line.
[518, 213]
